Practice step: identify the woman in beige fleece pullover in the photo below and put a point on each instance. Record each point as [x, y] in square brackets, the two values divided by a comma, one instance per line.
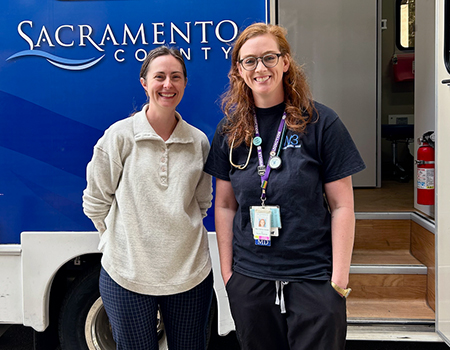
[147, 196]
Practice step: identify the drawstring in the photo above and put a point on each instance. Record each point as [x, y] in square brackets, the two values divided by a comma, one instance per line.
[279, 285]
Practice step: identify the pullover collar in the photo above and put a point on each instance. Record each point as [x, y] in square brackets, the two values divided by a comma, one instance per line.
[144, 131]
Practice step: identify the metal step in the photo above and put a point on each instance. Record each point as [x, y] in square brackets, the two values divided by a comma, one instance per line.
[389, 269]
[393, 331]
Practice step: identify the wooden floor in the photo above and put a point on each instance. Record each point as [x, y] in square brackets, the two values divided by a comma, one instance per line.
[384, 257]
[393, 196]
[393, 309]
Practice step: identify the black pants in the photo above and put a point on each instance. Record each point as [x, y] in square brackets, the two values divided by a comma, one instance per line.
[315, 317]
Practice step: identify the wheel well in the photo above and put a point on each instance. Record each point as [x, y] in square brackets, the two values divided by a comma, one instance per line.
[68, 272]
[62, 280]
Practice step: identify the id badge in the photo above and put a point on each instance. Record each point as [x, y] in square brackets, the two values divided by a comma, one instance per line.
[275, 219]
[262, 224]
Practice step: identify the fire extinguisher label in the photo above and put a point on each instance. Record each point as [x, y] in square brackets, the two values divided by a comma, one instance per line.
[425, 179]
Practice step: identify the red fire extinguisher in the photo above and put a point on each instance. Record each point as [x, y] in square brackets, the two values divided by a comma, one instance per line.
[425, 169]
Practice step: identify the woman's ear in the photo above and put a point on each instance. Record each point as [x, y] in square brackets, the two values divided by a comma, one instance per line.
[239, 68]
[144, 83]
[286, 63]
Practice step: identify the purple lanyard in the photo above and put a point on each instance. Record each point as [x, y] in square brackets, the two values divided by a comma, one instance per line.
[265, 176]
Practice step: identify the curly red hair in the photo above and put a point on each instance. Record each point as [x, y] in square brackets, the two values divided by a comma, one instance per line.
[238, 104]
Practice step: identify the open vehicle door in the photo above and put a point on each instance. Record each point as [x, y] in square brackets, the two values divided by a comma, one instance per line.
[443, 168]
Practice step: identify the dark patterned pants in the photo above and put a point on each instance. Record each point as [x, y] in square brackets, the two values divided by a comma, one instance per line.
[133, 316]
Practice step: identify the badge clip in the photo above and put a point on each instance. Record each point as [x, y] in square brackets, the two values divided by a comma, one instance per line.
[261, 170]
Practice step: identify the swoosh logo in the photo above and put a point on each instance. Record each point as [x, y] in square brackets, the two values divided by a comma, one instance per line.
[60, 62]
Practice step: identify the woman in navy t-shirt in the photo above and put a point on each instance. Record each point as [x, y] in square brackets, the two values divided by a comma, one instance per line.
[280, 157]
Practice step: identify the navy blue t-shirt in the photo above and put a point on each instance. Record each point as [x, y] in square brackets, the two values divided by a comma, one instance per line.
[324, 153]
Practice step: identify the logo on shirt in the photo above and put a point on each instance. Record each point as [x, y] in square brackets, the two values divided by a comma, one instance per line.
[292, 141]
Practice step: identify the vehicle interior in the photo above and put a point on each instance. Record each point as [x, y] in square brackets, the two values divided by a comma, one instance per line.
[393, 264]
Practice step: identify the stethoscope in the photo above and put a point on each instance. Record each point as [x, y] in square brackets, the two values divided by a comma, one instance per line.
[243, 166]
[275, 160]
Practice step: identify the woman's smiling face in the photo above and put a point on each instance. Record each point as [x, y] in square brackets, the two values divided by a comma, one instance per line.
[164, 83]
[265, 83]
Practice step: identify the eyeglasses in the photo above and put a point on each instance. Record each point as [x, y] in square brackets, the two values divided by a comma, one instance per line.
[269, 61]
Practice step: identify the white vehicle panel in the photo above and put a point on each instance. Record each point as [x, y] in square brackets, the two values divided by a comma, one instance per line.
[43, 253]
[11, 286]
[225, 320]
[337, 43]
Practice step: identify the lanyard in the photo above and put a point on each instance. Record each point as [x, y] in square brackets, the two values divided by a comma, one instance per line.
[264, 171]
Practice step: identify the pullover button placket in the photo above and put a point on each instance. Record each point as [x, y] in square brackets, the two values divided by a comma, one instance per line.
[163, 166]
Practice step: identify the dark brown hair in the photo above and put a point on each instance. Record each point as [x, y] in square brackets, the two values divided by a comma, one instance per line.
[161, 51]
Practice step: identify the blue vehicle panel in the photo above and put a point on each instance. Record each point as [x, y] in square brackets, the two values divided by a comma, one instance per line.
[69, 69]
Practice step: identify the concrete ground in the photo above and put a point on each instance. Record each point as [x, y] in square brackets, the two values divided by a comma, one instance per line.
[18, 337]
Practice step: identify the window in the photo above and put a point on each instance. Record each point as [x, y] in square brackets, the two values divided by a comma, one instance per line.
[405, 24]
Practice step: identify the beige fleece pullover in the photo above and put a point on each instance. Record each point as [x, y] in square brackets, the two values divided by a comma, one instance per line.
[147, 197]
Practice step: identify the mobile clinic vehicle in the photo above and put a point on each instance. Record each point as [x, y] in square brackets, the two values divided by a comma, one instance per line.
[69, 69]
